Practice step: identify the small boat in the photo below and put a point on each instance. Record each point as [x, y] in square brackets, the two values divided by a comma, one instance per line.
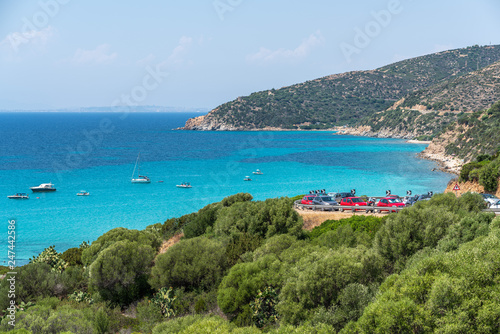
[19, 196]
[44, 187]
[247, 178]
[184, 185]
[83, 193]
[258, 172]
[140, 178]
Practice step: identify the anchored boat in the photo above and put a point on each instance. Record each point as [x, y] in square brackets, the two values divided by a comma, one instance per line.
[44, 187]
[140, 178]
[19, 196]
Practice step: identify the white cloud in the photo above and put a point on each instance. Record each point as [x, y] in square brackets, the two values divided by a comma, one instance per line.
[38, 38]
[100, 55]
[267, 56]
[178, 55]
[146, 60]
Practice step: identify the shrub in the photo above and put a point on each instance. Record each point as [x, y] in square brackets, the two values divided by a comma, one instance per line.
[197, 263]
[264, 307]
[488, 176]
[73, 256]
[120, 272]
[148, 314]
[119, 234]
[268, 218]
[101, 322]
[52, 258]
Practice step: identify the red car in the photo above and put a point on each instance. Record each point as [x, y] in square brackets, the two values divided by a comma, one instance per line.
[390, 202]
[307, 199]
[352, 201]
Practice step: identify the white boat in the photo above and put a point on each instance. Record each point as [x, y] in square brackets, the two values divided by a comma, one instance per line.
[247, 178]
[44, 187]
[83, 193]
[258, 172]
[184, 185]
[19, 196]
[140, 178]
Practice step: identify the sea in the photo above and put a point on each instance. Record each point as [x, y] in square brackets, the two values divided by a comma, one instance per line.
[97, 152]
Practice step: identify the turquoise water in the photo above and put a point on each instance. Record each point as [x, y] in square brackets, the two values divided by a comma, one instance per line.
[57, 148]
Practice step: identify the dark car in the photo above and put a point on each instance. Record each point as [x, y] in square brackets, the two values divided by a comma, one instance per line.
[338, 196]
[424, 197]
[324, 200]
[307, 199]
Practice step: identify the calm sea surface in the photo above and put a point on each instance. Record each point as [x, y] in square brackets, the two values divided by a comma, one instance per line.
[97, 152]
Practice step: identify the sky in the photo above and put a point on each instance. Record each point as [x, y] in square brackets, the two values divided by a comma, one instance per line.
[201, 53]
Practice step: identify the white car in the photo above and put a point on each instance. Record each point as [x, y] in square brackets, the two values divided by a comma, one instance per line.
[490, 199]
[495, 205]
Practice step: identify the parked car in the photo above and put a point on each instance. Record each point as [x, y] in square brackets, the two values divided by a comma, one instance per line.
[307, 199]
[495, 205]
[338, 196]
[388, 202]
[489, 199]
[410, 200]
[423, 197]
[324, 200]
[352, 201]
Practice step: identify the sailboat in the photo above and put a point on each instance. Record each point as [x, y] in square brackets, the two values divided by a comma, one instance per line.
[140, 178]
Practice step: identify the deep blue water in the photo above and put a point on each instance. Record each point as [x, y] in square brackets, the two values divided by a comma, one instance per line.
[97, 152]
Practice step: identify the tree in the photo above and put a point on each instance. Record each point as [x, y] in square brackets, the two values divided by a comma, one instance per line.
[197, 263]
[118, 234]
[120, 271]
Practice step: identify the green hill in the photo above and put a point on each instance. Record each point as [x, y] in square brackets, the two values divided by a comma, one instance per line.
[345, 98]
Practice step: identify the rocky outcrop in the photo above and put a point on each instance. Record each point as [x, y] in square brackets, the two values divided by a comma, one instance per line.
[469, 186]
[208, 123]
[366, 131]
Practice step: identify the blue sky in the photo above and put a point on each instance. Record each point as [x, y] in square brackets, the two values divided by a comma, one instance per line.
[201, 53]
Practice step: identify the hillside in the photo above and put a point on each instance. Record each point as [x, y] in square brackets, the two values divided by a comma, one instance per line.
[474, 91]
[473, 134]
[344, 98]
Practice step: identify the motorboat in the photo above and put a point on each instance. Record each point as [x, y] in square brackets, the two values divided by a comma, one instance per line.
[19, 196]
[258, 172]
[44, 187]
[140, 178]
[184, 185]
[83, 193]
[247, 178]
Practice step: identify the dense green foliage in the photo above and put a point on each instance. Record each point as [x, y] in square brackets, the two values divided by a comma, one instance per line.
[148, 238]
[196, 263]
[430, 268]
[479, 134]
[120, 272]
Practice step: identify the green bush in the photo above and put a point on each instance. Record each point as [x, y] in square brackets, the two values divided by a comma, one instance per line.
[149, 315]
[420, 226]
[73, 256]
[91, 253]
[197, 263]
[52, 258]
[268, 218]
[452, 292]
[176, 325]
[488, 176]
[120, 271]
